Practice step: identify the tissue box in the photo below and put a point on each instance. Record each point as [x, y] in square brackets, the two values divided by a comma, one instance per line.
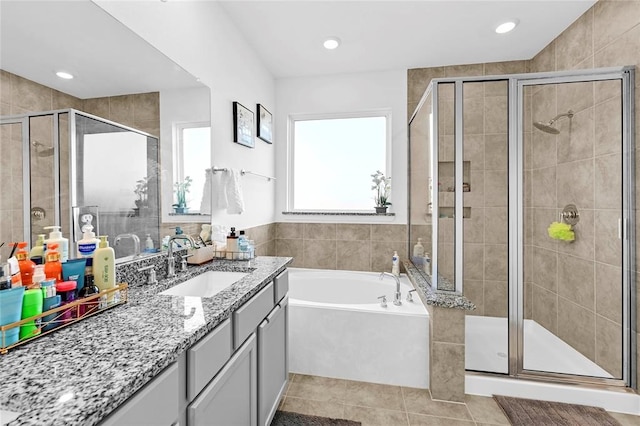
[200, 255]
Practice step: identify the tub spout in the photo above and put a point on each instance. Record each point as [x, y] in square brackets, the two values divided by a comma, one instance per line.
[397, 298]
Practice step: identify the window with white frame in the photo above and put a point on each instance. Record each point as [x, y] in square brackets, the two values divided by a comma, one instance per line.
[332, 158]
[192, 155]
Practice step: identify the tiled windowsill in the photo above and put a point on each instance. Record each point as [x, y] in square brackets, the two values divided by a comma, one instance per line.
[321, 213]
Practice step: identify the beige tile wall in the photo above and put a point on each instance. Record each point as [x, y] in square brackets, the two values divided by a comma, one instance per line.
[581, 294]
[354, 247]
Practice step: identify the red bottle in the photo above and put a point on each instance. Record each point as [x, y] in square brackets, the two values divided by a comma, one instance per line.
[27, 267]
[53, 267]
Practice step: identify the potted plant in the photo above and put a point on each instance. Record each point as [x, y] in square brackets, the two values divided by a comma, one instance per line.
[382, 186]
[181, 195]
[141, 191]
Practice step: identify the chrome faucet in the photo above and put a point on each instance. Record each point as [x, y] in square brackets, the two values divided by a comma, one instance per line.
[171, 263]
[136, 243]
[397, 298]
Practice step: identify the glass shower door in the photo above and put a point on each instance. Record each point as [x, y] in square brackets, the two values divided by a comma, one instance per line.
[572, 169]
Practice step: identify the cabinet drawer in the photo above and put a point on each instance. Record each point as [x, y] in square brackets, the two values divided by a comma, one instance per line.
[281, 285]
[207, 357]
[247, 318]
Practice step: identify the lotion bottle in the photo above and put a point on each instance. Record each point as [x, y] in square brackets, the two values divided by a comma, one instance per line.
[418, 249]
[89, 243]
[55, 236]
[104, 271]
[395, 264]
[38, 249]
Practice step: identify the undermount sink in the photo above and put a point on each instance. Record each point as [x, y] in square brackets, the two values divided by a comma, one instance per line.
[205, 285]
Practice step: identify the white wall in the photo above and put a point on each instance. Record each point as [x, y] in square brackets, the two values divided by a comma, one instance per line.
[200, 37]
[346, 93]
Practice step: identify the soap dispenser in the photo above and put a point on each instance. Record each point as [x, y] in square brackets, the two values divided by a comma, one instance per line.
[53, 267]
[27, 267]
[232, 244]
[395, 264]
[418, 249]
[55, 236]
[89, 243]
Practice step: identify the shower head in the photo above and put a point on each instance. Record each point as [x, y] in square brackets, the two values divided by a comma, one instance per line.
[548, 127]
[47, 152]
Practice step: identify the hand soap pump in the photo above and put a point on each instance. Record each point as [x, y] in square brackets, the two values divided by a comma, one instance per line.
[89, 243]
[55, 236]
[232, 244]
[418, 249]
[395, 264]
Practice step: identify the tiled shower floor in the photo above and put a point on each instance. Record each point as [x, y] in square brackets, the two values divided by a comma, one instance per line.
[385, 405]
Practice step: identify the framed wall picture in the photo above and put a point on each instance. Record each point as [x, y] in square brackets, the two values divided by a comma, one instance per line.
[243, 125]
[265, 124]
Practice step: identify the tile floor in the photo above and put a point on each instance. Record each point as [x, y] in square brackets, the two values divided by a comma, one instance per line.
[374, 404]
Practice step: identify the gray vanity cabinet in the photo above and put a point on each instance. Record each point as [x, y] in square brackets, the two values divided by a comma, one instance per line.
[155, 404]
[231, 397]
[273, 368]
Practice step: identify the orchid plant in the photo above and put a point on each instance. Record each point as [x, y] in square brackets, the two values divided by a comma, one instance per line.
[382, 186]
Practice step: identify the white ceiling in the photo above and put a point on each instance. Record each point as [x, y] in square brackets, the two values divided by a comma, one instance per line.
[396, 34]
[38, 38]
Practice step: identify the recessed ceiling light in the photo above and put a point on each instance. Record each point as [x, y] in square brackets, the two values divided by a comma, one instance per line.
[64, 75]
[331, 43]
[506, 26]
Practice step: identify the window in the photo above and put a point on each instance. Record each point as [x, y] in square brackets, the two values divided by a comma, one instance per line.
[192, 155]
[333, 157]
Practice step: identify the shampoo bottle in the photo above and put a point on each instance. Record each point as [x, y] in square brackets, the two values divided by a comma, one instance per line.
[53, 267]
[395, 264]
[55, 236]
[104, 271]
[27, 267]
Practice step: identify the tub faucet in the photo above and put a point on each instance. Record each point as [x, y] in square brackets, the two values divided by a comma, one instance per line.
[397, 298]
[136, 243]
[171, 263]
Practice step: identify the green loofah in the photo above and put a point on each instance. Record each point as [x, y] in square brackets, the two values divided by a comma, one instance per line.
[561, 231]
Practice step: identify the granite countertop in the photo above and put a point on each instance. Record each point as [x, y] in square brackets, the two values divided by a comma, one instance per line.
[439, 298]
[80, 374]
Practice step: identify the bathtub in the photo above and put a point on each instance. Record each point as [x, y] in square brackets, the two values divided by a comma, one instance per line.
[337, 328]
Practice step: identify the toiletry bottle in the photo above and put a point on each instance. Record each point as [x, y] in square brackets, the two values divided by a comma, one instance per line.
[418, 249]
[37, 251]
[148, 245]
[395, 264]
[27, 267]
[55, 236]
[243, 246]
[427, 264]
[232, 244]
[53, 267]
[89, 289]
[38, 276]
[104, 270]
[5, 277]
[89, 243]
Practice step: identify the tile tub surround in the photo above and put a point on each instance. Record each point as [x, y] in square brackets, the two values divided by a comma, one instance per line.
[446, 337]
[103, 360]
[351, 247]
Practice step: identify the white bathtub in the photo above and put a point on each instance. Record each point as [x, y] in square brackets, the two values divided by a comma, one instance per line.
[337, 328]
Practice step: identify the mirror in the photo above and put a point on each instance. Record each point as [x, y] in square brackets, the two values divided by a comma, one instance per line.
[137, 87]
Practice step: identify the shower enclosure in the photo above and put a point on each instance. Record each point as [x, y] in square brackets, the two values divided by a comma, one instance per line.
[64, 165]
[524, 188]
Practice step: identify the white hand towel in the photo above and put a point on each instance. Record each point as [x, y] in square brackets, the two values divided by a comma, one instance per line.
[205, 203]
[234, 192]
[220, 190]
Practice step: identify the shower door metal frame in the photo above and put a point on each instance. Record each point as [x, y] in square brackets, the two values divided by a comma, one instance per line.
[515, 98]
[516, 224]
